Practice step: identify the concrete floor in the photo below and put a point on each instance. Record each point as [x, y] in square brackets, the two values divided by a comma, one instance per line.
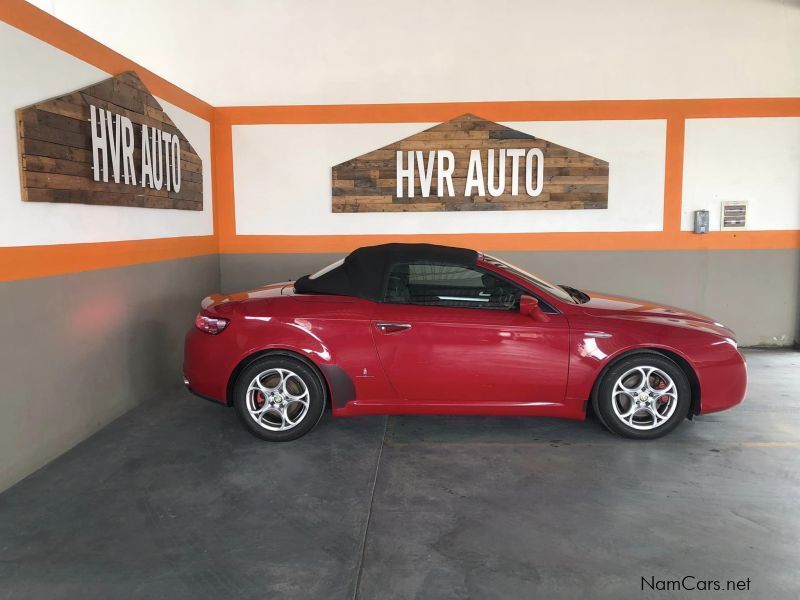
[176, 500]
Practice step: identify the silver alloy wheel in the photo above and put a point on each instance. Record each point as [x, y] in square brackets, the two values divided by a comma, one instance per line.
[644, 397]
[278, 399]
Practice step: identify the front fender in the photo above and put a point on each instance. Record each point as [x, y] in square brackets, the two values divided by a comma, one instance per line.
[718, 366]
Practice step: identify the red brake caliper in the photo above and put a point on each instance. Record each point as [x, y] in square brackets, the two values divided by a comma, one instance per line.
[661, 385]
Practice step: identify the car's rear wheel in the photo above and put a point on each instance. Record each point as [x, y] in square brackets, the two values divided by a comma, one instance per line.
[279, 398]
[644, 396]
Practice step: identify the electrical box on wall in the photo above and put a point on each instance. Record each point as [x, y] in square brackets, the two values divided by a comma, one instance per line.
[701, 221]
[733, 215]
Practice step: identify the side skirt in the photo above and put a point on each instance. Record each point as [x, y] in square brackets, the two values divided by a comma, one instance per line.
[537, 409]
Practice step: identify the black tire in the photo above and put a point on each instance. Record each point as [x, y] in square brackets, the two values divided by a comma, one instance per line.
[273, 370]
[604, 399]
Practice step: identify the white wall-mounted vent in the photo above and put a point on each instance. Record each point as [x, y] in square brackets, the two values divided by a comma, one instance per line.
[733, 215]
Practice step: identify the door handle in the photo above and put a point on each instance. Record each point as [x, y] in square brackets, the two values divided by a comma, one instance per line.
[392, 327]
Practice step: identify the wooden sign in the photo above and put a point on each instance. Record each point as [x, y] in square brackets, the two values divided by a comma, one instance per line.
[110, 143]
[469, 163]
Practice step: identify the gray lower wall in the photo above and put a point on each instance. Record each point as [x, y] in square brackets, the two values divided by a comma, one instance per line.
[755, 292]
[78, 350]
[240, 272]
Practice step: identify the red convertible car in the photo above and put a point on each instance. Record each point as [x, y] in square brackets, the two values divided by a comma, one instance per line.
[423, 329]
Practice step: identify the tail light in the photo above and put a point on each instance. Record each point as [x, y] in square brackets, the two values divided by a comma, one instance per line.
[208, 324]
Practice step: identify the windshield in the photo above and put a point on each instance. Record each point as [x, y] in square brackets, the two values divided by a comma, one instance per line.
[538, 282]
[330, 267]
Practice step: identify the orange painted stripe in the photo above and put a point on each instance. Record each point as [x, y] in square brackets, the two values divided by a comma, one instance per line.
[25, 262]
[224, 211]
[673, 174]
[643, 240]
[47, 28]
[669, 239]
[578, 110]
[41, 261]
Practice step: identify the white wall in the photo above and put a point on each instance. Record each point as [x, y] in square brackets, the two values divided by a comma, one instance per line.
[33, 71]
[757, 160]
[354, 51]
[282, 178]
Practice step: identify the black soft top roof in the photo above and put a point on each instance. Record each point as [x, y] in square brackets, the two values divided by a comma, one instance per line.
[365, 271]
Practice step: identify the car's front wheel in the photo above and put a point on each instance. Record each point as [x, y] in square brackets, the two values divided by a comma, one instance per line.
[644, 396]
[279, 398]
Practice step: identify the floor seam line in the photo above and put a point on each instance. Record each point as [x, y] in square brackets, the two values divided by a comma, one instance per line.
[369, 512]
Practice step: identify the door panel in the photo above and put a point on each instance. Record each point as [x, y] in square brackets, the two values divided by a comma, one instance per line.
[435, 354]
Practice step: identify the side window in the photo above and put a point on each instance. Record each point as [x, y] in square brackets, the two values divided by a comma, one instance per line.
[437, 284]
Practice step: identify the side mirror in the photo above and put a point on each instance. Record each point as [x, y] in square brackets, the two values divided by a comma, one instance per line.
[528, 305]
